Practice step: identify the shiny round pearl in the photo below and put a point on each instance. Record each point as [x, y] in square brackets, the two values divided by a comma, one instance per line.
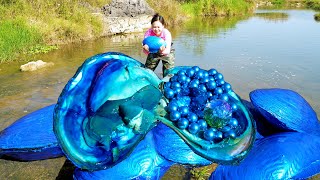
[218, 76]
[230, 134]
[224, 97]
[183, 123]
[175, 115]
[202, 87]
[182, 79]
[204, 80]
[181, 72]
[218, 91]
[209, 134]
[199, 75]
[220, 82]
[175, 85]
[192, 117]
[184, 110]
[205, 74]
[190, 72]
[167, 85]
[196, 68]
[211, 85]
[212, 72]
[193, 128]
[203, 124]
[168, 93]
[227, 87]
[218, 136]
[233, 123]
[174, 78]
[172, 106]
[234, 107]
[193, 84]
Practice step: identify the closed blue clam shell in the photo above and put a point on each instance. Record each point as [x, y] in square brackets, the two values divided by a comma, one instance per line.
[30, 137]
[288, 155]
[154, 43]
[285, 110]
[102, 112]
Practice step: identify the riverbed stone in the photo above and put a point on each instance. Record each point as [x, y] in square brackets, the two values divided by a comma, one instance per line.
[35, 65]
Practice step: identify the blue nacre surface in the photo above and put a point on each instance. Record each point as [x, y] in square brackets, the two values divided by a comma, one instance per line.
[288, 155]
[31, 137]
[102, 112]
[154, 43]
[285, 110]
[143, 163]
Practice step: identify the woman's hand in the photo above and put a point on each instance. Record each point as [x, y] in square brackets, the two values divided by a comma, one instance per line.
[162, 49]
[146, 48]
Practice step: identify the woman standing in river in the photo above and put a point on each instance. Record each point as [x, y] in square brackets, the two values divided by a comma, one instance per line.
[166, 53]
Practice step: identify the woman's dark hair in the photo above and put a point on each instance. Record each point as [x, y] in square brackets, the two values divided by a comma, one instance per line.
[158, 17]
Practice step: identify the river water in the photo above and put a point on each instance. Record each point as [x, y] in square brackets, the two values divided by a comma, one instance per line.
[271, 49]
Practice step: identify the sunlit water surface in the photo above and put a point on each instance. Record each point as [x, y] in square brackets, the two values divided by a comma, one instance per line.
[271, 49]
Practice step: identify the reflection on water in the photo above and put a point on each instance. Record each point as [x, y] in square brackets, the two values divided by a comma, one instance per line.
[273, 16]
[278, 50]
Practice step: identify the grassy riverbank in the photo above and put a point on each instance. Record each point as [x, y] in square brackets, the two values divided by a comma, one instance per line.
[37, 26]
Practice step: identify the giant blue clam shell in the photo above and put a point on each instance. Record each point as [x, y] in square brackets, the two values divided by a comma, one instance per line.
[105, 110]
[285, 110]
[143, 163]
[30, 137]
[288, 155]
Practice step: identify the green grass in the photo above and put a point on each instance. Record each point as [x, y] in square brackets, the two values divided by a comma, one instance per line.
[15, 37]
[38, 25]
[218, 7]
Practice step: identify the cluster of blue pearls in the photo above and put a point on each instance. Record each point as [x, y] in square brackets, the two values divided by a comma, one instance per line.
[188, 92]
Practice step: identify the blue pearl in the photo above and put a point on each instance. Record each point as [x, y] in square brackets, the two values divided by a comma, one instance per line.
[204, 80]
[218, 76]
[177, 91]
[211, 85]
[233, 123]
[202, 88]
[218, 91]
[209, 134]
[184, 110]
[234, 107]
[193, 84]
[192, 117]
[220, 82]
[226, 87]
[199, 74]
[175, 85]
[181, 73]
[172, 106]
[167, 85]
[212, 72]
[218, 136]
[196, 68]
[169, 93]
[224, 97]
[174, 115]
[230, 134]
[190, 72]
[203, 124]
[182, 79]
[205, 74]
[183, 123]
[193, 128]
[174, 78]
